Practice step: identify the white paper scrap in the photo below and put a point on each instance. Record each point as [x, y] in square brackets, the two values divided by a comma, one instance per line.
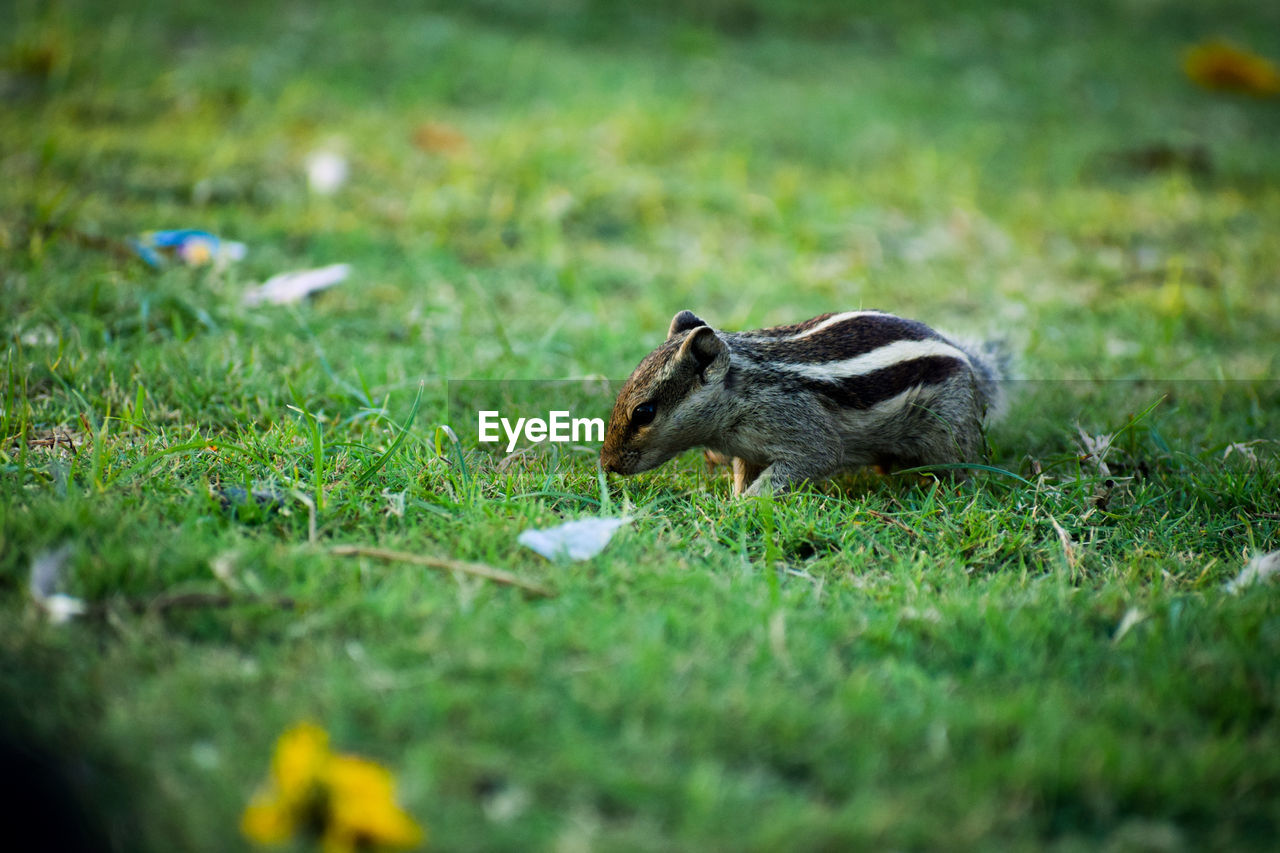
[575, 540]
[290, 287]
[46, 577]
[1261, 568]
[326, 172]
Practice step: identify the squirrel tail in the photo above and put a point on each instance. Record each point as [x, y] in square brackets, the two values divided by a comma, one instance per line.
[994, 365]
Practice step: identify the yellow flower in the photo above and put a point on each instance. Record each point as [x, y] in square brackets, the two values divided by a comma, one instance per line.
[362, 807]
[347, 802]
[301, 754]
[296, 792]
[1223, 67]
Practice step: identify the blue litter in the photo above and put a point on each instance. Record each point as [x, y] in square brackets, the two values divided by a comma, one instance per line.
[187, 245]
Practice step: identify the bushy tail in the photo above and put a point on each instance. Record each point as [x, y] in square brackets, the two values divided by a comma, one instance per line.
[993, 366]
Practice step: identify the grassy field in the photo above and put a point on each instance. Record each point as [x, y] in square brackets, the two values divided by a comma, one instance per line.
[1044, 655]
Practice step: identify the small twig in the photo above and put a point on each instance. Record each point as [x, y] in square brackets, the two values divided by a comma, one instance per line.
[52, 440]
[889, 519]
[479, 570]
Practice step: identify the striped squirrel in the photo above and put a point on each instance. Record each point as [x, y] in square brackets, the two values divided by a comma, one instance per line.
[806, 401]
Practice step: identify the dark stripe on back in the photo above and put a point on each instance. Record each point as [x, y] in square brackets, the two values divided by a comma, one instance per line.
[865, 391]
[785, 331]
[847, 339]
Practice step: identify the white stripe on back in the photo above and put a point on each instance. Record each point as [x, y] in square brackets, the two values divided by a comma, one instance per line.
[831, 321]
[870, 362]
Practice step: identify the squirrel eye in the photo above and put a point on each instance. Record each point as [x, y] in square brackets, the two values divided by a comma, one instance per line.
[643, 414]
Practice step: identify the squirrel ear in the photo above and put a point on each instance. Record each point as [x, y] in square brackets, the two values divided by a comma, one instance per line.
[702, 347]
[683, 322]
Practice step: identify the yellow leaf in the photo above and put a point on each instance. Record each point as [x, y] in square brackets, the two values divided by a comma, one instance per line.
[1220, 66]
[439, 138]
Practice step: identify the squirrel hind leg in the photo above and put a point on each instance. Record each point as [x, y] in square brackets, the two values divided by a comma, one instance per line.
[744, 474]
[714, 459]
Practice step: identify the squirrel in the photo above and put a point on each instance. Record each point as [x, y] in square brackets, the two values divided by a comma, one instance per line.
[805, 402]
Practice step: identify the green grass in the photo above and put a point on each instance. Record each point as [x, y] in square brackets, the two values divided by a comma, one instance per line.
[877, 663]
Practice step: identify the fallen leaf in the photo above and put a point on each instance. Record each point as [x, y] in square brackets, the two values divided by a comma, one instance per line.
[1221, 66]
[439, 138]
[1248, 450]
[1096, 448]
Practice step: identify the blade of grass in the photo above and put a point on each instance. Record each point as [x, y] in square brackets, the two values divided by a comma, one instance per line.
[555, 494]
[771, 552]
[395, 445]
[98, 457]
[192, 446]
[964, 466]
[316, 435]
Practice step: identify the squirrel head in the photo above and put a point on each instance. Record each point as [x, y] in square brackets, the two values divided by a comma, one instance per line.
[653, 418]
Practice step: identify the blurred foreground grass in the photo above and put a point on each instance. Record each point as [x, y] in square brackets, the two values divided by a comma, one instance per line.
[533, 192]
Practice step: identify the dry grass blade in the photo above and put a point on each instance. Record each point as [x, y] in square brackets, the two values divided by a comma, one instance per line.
[888, 519]
[479, 570]
[1068, 547]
